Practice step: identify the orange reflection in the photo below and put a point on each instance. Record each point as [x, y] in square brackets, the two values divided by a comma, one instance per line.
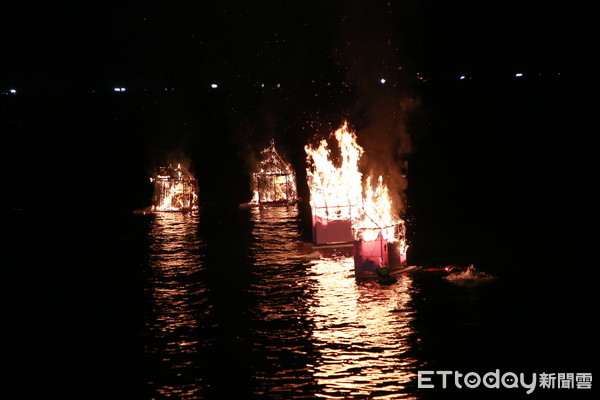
[281, 328]
[276, 234]
[362, 331]
[318, 331]
[179, 302]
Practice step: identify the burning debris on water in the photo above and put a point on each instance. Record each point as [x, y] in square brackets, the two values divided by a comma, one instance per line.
[275, 181]
[344, 212]
[175, 189]
[335, 191]
[379, 234]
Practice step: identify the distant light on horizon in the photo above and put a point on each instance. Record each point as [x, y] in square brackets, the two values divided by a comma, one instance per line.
[518, 75]
[382, 81]
[119, 89]
[214, 85]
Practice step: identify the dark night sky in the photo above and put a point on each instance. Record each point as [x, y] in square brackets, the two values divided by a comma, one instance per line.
[53, 43]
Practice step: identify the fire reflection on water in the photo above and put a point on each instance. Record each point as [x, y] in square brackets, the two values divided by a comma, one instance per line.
[324, 332]
[281, 328]
[362, 332]
[180, 307]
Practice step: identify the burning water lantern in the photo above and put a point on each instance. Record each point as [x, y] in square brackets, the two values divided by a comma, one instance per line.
[379, 235]
[175, 189]
[342, 212]
[275, 181]
[335, 190]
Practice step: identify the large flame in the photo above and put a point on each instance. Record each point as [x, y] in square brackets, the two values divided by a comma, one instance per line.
[377, 213]
[335, 192]
[379, 220]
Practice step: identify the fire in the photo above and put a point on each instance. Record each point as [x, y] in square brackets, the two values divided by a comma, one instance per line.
[337, 195]
[335, 192]
[275, 182]
[377, 213]
[175, 189]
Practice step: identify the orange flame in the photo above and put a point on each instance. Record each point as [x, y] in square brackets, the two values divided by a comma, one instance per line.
[338, 193]
[379, 220]
[335, 192]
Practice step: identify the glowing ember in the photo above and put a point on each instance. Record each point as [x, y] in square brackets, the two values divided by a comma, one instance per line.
[275, 182]
[175, 189]
[335, 192]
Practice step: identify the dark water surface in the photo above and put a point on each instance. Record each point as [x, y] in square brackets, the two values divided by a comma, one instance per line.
[236, 304]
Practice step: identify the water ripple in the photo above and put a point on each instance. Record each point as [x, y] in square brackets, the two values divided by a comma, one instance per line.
[323, 331]
[180, 306]
[310, 328]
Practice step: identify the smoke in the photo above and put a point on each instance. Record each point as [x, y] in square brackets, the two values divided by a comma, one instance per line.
[367, 48]
[179, 157]
[386, 137]
[173, 158]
